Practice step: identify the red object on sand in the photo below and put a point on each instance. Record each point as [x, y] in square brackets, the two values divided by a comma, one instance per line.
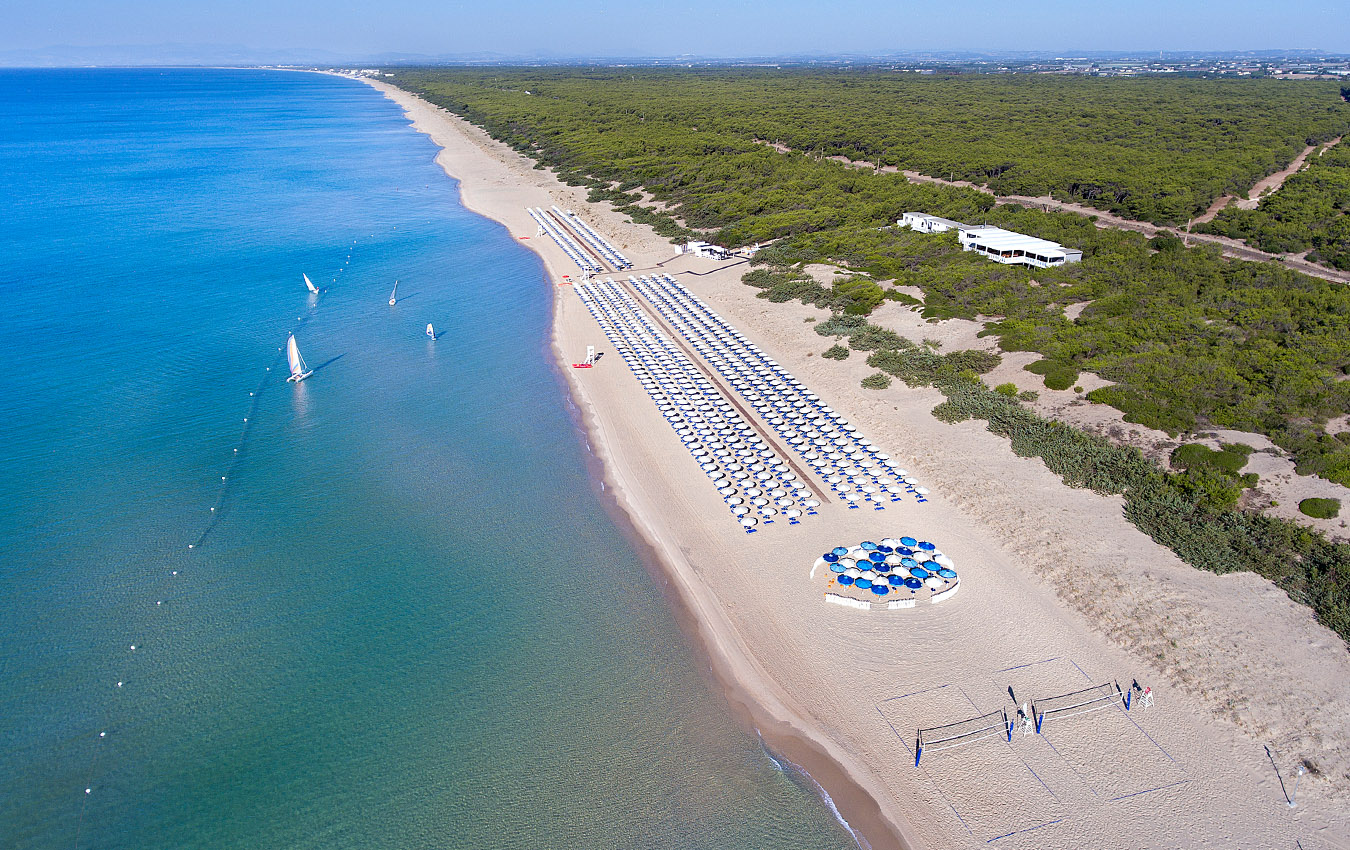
[582, 365]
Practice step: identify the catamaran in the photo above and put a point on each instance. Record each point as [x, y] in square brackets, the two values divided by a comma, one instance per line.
[393, 296]
[299, 371]
[309, 283]
[431, 332]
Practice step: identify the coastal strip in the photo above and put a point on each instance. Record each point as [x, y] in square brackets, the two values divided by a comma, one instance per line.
[1046, 572]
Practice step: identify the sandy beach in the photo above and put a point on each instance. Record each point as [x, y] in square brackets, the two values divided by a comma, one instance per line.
[1058, 592]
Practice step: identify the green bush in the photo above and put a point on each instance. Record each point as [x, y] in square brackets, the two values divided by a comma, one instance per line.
[1009, 389]
[1028, 395]
[836, 352]
[876, 381]
[873, 338]
[1058, 375]
[1320, 508]
[838, 325]
[1228, 460]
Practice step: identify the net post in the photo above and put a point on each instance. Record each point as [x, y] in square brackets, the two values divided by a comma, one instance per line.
[918, 750]
[1127, 698]
[1007, 724]
[1038, 716]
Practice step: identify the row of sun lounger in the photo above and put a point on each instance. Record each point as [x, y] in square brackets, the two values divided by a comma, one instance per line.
[595, 240]
[848, 462]
[566, 242]
[757, 485]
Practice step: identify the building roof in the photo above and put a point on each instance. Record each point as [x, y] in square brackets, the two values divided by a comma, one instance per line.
[998, 239]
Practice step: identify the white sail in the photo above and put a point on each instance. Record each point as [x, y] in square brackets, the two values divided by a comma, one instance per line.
[297, 363]
[309, 283]
[431, 332]
[393, 296]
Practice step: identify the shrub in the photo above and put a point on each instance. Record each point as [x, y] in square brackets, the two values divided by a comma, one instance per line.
[873, 338]
[1009, 389]
[839, 325]
[877, 381]
[1058, 375]
[1229, 459]
[836, 352]
[1028, 395]
[1320, 508]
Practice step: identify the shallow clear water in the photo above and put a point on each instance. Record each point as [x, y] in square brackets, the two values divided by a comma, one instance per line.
[410, 621]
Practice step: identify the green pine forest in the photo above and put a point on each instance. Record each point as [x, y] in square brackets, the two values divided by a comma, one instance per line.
[1150, 148]
[1311, 212]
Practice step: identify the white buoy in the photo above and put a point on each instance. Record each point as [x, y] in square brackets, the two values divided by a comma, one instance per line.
[213, 509]
[189, 546]
[88, 790]
[103, 734]
[175, 572]
[133, 647]
[119, 684]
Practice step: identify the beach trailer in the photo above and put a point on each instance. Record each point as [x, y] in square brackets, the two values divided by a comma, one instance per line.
[925, 223]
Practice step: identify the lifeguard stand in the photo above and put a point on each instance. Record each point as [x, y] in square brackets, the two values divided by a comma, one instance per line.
[589, 361]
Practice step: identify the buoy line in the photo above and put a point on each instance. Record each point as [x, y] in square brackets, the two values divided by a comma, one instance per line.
[216, 512]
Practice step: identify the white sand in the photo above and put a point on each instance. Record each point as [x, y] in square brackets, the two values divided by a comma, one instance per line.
[1052, 578]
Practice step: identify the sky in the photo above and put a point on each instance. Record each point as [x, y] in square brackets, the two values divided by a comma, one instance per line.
[706, 28]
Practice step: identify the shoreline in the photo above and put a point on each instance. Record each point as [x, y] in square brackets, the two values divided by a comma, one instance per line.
[777, 665]
[711, 637]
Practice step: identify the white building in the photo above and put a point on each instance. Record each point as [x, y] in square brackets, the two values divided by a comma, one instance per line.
[1005, 246]
[703, 249]
[925, 223]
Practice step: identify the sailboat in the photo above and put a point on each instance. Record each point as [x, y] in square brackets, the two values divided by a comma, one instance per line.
[309, 283]
[393, 296]
[431, 332]
[299, 371]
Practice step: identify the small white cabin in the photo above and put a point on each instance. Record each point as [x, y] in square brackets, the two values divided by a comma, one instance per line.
[925, 223]
[703, 249]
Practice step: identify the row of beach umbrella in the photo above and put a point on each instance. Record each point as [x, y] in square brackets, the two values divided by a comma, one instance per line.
[756, 484]
[566, 242]
[847, 461]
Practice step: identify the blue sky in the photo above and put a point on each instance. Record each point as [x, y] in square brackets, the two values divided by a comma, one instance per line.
[722, 28]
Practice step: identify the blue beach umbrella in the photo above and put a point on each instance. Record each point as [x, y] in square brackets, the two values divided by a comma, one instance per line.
[919, 572]
[880, 589]
[907, 541]
[926, 546]
[846, 579]
[862, 583]
[908, 562]
[831, 557]
[913, 583]
[837, 568]
[868, 544]
[895, 581]
[875, 557]
[946, 572]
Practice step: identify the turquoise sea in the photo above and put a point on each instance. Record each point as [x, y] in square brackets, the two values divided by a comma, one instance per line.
[410, 621]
